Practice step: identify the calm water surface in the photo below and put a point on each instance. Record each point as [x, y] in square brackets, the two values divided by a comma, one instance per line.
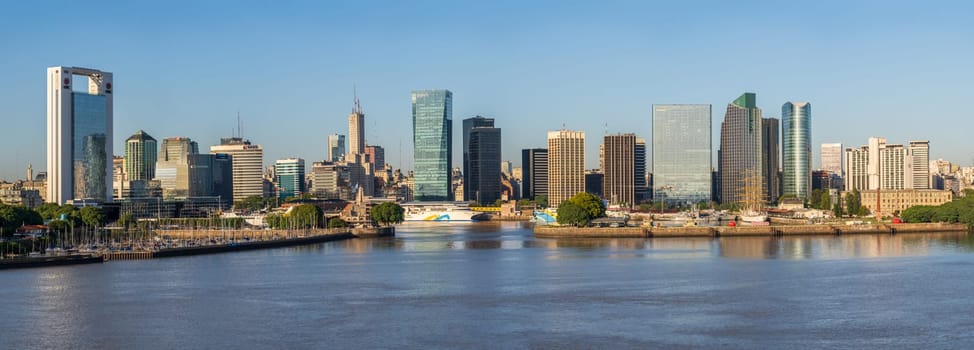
[492, 285]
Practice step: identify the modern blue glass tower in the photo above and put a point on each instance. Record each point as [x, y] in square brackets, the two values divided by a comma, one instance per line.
[432, 144]
[682, 153]
[796, 147]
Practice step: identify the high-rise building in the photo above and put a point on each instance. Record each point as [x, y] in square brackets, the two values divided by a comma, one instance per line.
[506, 168]
[796, 147]
[770, 147]
[740, 153]
[248, 166]
[875, 147]
[330, 180]
[336, 147]
[892, 167]
[534, 162]
[376, 155]
[290, 177]
[140, 157]
[432, 144]
[832, 158]
[879, 165]
[595, 182]
[481, 160]
[682, 161]
[919, 164]
[79, 136]
[356, 129]
[175, 149]
[641, 187]
[566, 165]
[857, 169]
[182, 172]
[618, 169]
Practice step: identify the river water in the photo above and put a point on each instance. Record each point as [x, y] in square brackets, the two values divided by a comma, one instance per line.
[493, 285]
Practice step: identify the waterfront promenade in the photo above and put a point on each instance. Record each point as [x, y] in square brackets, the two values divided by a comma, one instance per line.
[173, 243]
[551, 231]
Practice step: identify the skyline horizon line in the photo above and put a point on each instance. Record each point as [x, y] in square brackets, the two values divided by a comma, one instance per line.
[403, 164]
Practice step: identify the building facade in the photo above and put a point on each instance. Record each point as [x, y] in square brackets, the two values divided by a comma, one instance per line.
[481, 160]
[356, 130]
[248, 166]
[376, 155]
[740, 154]
[79, 136]
[619, 169]
[290, 177]
[534, 165]
[336, 147]
[432, 144]
[640, 183]
[595, 182]
[832, 158]
[770, 161]
[140, 157]
[682, 158]
[896, 201]
[796, 147]
[566, 165]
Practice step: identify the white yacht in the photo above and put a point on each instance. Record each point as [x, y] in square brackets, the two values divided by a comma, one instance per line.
[439, 211]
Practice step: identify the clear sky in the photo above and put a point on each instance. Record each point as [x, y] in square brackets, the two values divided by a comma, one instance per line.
[902, 70]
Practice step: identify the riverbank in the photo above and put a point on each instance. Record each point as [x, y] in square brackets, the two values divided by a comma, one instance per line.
[42, 261]
[742, 231]
[240, 240]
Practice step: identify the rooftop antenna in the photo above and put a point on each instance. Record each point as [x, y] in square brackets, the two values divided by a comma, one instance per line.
[358, 107]
[239, 132]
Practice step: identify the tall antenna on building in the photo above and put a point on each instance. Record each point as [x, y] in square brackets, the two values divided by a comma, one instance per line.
[358, 107]
[605, 129]
[239, 128]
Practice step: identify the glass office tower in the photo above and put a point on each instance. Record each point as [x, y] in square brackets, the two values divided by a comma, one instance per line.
[79, 136]
[796, 149]
[682, 153]
[432, 144]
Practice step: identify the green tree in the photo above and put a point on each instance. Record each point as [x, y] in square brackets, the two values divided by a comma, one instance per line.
[254, 203]
[541, 200]
[388, 213]
[815, 199]
[853, 204]
[825, 201]
[126, 221]
[14, 216]
[48, 211]
[590, 203]
[92, 216]
[306, 216]
[570, 213]
[837, 209]
[337, 223]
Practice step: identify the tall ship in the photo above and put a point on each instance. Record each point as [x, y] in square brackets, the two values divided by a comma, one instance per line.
[752, 209]
[439, 211]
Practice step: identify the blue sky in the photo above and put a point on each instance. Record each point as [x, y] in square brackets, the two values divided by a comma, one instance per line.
[902, 70]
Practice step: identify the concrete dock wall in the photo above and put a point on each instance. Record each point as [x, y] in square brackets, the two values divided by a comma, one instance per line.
[741, 231]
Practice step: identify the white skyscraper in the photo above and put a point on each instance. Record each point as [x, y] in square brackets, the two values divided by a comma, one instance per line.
[247, 162]
[79, 136]
[832, 158]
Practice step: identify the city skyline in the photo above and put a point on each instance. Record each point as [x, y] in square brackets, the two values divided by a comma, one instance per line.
[163, 106]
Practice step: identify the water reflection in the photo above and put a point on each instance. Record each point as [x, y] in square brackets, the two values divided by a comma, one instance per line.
[518, 236]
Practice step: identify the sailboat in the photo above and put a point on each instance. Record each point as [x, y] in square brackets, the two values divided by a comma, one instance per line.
[752, 211]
